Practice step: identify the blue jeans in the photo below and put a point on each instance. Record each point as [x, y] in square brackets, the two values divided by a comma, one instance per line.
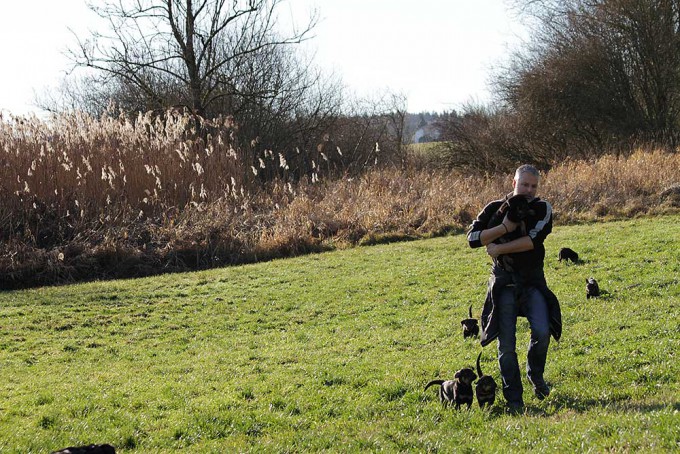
[534, 307]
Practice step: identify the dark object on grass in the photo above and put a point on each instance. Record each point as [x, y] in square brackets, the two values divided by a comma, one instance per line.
[457, 391]
[470, 326]
[485, 388]
[568, 254]
[592, 288]
[89, 449]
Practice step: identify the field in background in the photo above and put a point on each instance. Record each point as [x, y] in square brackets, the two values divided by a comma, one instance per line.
[330, 352]
[90, 199]
[425, 149]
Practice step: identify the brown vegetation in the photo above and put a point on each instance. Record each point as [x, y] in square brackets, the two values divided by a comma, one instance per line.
[85, 199]
[594, 76]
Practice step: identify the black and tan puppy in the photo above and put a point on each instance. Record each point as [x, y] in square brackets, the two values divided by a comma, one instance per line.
[89, 449]
[457, 391]
[592, 288]
[485, 388]
[518, 208]
[568, 254]
[470, 326]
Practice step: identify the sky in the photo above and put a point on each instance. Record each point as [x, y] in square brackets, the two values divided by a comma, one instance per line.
[437, 53]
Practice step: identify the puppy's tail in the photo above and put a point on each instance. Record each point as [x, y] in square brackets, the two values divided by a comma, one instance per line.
[479, 369]
[470, 310]
[434, 382]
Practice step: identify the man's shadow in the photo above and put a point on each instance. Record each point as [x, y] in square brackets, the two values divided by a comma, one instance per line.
[582, 405]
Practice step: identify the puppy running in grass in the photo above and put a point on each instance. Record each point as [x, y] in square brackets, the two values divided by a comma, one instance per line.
[470, 326]
[485, 388]
[457, 391]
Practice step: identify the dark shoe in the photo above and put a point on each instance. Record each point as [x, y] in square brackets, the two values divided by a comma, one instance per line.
[515, 408]
[541, 389]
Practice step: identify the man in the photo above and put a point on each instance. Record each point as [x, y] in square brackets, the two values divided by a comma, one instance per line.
[517, 285]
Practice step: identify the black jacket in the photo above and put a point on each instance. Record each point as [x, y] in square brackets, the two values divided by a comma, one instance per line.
[537, 226]
[521, 281]
[522, 269]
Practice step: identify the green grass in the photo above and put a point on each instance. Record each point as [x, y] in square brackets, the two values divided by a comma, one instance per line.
[330, 352]
[426, 149]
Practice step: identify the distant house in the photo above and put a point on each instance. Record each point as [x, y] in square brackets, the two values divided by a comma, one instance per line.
[426, 133]
[419, 127]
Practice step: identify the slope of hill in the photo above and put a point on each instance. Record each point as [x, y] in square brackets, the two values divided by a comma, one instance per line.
[330, 352]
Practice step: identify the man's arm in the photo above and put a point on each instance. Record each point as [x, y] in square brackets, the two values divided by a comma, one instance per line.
[488, 236]
[519, 245]
[538, 231]
[479, 234]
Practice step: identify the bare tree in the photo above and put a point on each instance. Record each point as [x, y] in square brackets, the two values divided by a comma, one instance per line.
[369, 133]
[185, 47]
[598, 71]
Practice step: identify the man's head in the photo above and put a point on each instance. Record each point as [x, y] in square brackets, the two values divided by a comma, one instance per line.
[526, 181]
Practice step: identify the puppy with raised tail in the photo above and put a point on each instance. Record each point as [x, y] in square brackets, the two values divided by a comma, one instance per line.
[592, 288]
[485, 388]
[457, 391]
[470, 326]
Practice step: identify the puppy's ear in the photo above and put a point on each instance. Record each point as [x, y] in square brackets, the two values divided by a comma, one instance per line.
[457, 375]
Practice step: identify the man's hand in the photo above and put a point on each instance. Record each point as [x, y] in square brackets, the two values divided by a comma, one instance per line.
[493, 250]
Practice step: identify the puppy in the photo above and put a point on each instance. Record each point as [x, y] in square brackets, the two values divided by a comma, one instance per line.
[518, 208]
[470, 326]
[485, 388]
[446, 390]
[592, 288]
[90, 449]
[568, 254]
[457, 391]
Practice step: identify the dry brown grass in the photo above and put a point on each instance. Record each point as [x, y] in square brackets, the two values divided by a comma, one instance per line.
[80, 168]
[614, 186]
[86, 198]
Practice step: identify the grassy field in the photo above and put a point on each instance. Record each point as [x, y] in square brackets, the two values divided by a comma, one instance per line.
[330, 352]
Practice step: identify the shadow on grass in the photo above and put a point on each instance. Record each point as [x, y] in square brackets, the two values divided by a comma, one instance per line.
[128, 261]
[581, 405]
[559, 404]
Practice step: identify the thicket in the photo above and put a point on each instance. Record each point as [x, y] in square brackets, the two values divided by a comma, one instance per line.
[597, 76]
[88, 198]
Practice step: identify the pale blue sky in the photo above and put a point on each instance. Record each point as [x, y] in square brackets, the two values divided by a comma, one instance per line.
[436, 52]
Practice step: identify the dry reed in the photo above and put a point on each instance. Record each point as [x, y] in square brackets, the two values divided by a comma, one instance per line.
[118, 197]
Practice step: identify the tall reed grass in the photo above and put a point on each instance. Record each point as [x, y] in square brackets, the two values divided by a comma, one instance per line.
[87, 198]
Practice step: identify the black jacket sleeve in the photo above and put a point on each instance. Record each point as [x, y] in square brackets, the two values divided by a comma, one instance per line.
[540, 224]
[485, 219]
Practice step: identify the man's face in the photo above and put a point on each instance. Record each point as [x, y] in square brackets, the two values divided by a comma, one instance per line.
[527, 185]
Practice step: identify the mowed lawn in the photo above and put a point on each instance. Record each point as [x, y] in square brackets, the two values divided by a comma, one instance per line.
[330, 352]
